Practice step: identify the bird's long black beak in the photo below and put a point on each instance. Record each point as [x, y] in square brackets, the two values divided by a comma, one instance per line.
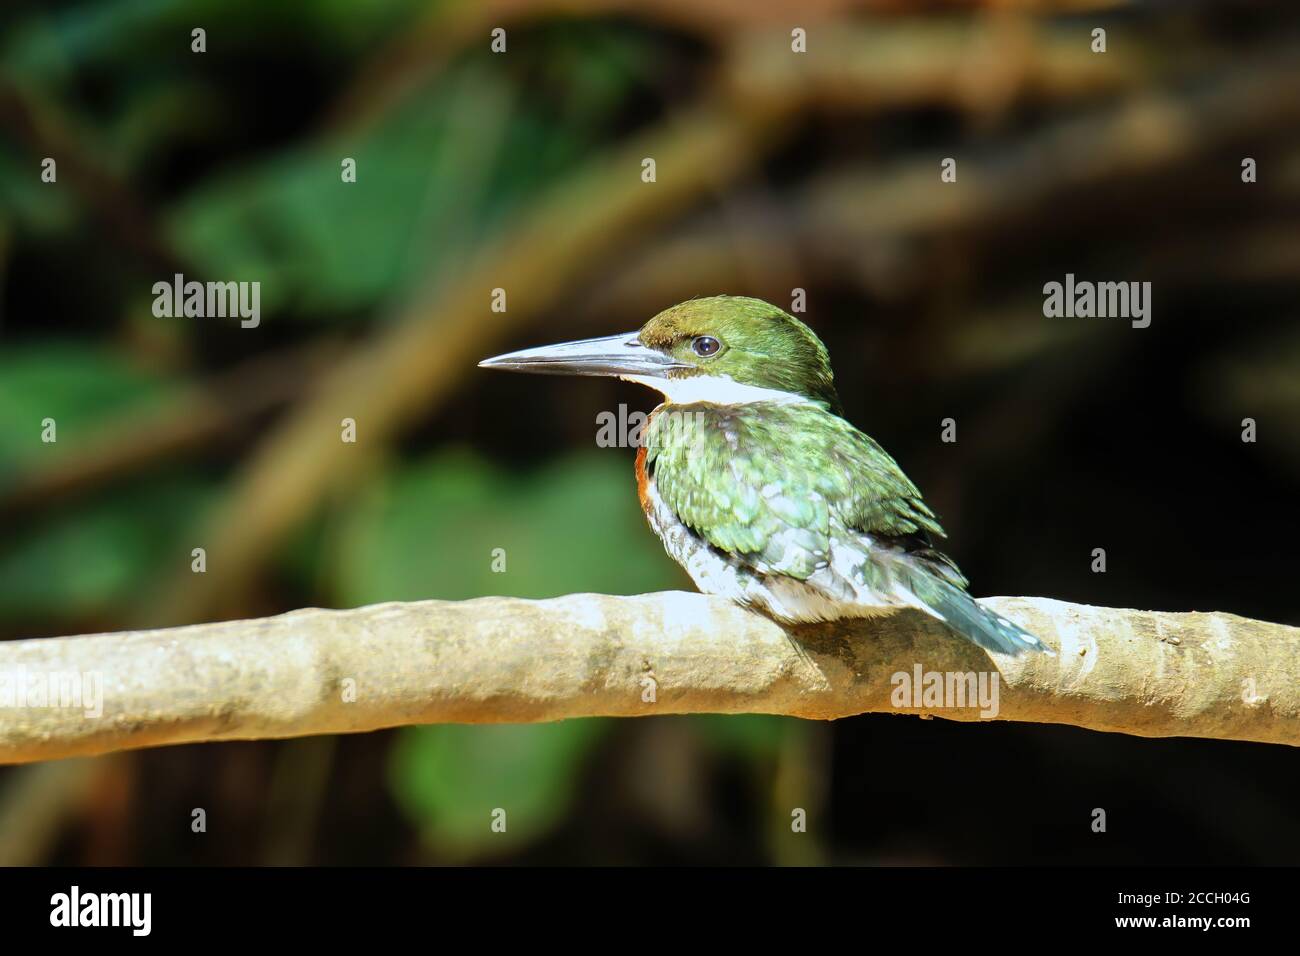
[621, 355]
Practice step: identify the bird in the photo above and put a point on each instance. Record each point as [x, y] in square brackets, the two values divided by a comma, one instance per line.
[757, 484]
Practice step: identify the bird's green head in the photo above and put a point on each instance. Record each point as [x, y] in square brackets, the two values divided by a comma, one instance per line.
[723, 349]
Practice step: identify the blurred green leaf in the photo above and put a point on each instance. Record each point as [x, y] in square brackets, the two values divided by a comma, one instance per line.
[431, 529]
[80, 387]
[450, 779]
[48, 42]
[96, 557]
[327, 247]
[749, 736]
[41, 207]
[437, 175]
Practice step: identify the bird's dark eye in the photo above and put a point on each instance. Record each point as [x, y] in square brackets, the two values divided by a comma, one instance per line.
[705, 345]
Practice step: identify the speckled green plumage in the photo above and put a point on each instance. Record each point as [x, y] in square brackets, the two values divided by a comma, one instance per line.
[776, 481]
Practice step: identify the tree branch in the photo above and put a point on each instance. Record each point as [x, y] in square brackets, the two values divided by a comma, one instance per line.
[511, 660]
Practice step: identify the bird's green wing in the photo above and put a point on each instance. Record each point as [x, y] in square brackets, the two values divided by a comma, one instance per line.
[773, 483]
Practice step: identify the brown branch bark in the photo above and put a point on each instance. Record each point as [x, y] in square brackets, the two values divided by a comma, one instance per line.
[510, 660]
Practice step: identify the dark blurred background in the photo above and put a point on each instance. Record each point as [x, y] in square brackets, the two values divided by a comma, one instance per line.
[521, 170]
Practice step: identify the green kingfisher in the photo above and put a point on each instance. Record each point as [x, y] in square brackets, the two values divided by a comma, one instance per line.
[756, 483]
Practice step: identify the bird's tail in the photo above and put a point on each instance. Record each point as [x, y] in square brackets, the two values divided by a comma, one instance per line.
[951, 604]
[982, 626]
